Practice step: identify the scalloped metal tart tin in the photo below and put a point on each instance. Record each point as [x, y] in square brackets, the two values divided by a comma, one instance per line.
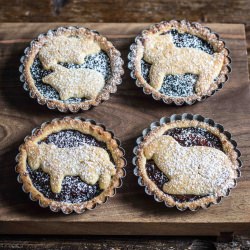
[187, 121]
[76, 195]
[139, 67]
[46, 94]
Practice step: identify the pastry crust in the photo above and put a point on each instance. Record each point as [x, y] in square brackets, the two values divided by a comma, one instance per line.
[83, 126]
[110, 87]
[204, 202]
[138, 50]
[200, 170]
[86, 83]
[92, 164]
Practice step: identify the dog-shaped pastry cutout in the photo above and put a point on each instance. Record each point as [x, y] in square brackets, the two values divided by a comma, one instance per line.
[75, 82]
[195, 170]
[92, 164]
[67, 49]
[167, 59]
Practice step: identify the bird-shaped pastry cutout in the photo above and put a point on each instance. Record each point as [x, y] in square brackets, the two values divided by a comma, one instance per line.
[92, 164]
[67, 49]
[167, 59]
[195, 170]
[79, 83]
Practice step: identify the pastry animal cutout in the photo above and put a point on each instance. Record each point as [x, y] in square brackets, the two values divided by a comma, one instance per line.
[67, 49]
[167, 59]
[75, 82]
[196, 170]
[91, 163]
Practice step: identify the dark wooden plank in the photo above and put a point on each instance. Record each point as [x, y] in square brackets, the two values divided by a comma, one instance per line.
[107, 243]
[224, 11]
[236, 11]
[132, 212]
[120, 243]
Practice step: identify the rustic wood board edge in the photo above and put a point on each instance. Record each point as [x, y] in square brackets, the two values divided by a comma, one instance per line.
[125, 228]
[120, 30]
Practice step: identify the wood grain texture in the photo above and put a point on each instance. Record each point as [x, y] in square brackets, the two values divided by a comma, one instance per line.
[121, 243]
[117, 243]
[131, 211]
[212, 11]
[124, 11]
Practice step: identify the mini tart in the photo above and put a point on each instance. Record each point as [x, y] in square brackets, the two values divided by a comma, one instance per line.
[75, 194]
[87, 63]
[166, 58]
[184, 133]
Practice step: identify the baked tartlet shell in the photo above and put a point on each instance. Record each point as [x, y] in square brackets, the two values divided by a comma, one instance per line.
[30, 52]
[99, 132]
[134, 63]
[159, 195]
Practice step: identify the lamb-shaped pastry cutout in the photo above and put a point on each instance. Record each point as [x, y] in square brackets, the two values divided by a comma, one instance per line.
[196, 170]
[74, 82]
[167, 59]
[92, 164]
[67, 49]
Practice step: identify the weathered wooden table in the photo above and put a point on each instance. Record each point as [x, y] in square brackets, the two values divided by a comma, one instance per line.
[211, 11]
[133, 213]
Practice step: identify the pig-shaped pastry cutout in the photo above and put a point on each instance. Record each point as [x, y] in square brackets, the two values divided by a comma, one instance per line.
[77, 83]
[92, 164]
[68, 49]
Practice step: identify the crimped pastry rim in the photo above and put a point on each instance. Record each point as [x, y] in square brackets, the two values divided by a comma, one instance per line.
[26, 60]
[151, 188]
[134, 63]
[56, 125]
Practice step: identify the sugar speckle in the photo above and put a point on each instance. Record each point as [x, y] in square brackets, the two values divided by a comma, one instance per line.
[179, 85]
[74, 190]
[190, 41]
[192, 136]
[193, 170]
[99, 62]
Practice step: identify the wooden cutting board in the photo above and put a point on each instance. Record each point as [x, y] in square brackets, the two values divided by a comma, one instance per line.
[128, 111]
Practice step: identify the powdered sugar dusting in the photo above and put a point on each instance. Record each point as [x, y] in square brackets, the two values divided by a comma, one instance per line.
[194, 170]
[173, 85]
[190, 41]
[91, 163]
[67, 49]
[72, 138]
[192, 136]
[99, 62]
[179, 85]
[74, 190]
[79, 83]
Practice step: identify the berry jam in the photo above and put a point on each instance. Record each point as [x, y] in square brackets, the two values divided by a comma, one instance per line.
[179, 85]
[74, 190]
[99, 62]
[195, 137]
[186, 137]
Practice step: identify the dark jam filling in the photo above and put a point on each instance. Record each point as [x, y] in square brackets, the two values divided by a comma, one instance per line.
[185, 137]
[195, 137]
[190, 41]
[74, 190]
[99, 62]
[179, 85]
